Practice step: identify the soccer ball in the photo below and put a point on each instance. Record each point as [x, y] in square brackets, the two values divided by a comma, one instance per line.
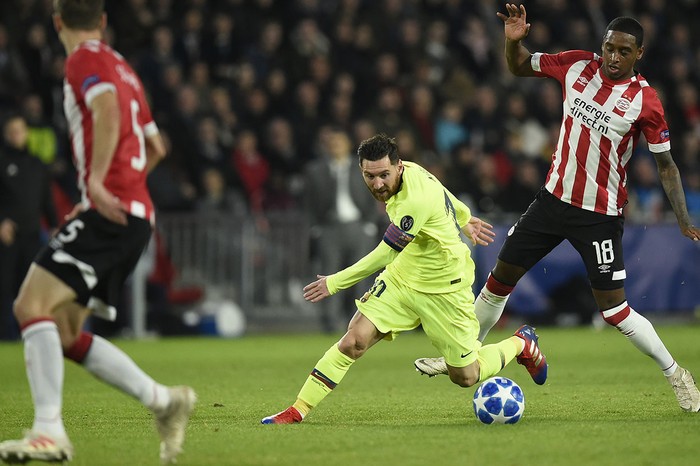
[499, 400]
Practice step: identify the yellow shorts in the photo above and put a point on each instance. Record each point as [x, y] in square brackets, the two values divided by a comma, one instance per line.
[448, 319]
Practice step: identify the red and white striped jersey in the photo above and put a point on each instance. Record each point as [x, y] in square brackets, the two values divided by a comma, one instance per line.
[600, 128]
[92, 69]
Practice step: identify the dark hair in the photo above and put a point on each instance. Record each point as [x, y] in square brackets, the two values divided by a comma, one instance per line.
[80, 14]
[377, 147]
[628, 26]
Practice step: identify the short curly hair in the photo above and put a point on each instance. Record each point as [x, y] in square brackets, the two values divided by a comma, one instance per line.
[628, 26]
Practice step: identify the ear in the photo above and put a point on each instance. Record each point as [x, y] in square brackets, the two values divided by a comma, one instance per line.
[399, 166]
[103, 22]
[640, 52]
[57, 22]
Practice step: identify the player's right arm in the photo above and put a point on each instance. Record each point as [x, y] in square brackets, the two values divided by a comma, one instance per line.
[377, 259]
[324, 286]
[516, 29]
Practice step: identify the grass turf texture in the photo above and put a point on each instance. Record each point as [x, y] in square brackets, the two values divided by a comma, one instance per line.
[604, 403]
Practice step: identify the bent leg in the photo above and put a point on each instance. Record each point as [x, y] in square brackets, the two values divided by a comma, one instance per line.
[106, 361]
[40, 294]
[332, 367]
[616, 312]
[643, 336]
[491, 300]
[491, 359]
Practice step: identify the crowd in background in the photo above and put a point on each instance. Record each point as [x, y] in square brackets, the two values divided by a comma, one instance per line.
[247, 91]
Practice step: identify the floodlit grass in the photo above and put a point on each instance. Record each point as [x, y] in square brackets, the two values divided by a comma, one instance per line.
[604, 403]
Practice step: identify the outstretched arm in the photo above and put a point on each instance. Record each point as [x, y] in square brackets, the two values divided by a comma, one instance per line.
[325, 286]
[671, 181]
[516, 29]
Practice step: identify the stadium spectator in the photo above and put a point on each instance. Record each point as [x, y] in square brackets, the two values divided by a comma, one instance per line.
[427, 278]
[449, 128]
[86, 262]
[342, 216]
[25, 200]
[252, 168]
[221, 48]
[607, 105]
[13, 71]
[42, 140]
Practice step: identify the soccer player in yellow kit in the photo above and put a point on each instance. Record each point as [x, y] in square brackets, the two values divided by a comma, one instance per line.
[427, 278]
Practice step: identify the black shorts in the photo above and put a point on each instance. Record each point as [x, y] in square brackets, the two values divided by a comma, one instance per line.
[549, 221]
[94, 256]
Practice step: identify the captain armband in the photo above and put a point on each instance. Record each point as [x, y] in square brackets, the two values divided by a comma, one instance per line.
[396, 238]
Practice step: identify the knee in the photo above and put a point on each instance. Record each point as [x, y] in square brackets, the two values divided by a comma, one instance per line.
[352, 347]
[68, 336]
[26, 310]
[507, 274]
[464, 379]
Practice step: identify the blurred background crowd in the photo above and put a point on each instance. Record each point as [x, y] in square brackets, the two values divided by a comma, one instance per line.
[245, 90]
[251, 93]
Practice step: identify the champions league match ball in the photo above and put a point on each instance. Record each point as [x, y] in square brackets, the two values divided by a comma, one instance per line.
[499, 400]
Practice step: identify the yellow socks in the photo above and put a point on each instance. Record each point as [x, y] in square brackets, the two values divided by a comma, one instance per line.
[493, 358]
[328, 373]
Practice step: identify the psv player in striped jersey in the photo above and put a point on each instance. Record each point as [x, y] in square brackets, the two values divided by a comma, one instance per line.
[607, 105]
[83, 268]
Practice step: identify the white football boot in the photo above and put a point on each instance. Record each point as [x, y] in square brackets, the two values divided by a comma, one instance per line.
[686, 392]
[431, 366]
[38, 447]
[172, 421]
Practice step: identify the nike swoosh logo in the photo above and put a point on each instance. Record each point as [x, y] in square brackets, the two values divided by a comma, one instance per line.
[464, 355]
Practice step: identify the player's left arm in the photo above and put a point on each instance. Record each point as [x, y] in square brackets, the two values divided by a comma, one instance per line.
[155, 150]
[106, 118]
[478, 231]
[671, 181]
[655, 129]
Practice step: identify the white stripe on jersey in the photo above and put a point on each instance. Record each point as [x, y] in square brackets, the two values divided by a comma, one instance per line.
[75, 124]
[98, 89]
[600, 128]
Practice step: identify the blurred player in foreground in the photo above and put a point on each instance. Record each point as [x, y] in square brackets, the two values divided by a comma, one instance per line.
[607, 105]
[427, 280]
[83, 268]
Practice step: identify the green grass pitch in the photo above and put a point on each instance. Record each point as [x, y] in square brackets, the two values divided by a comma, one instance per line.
[604, 403]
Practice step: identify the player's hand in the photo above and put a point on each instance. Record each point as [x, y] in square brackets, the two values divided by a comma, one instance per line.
[107, 204]
[7, 231]
[479, 232]
[692, 232]
[74, 212]
[316, 291]
[516, 25]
